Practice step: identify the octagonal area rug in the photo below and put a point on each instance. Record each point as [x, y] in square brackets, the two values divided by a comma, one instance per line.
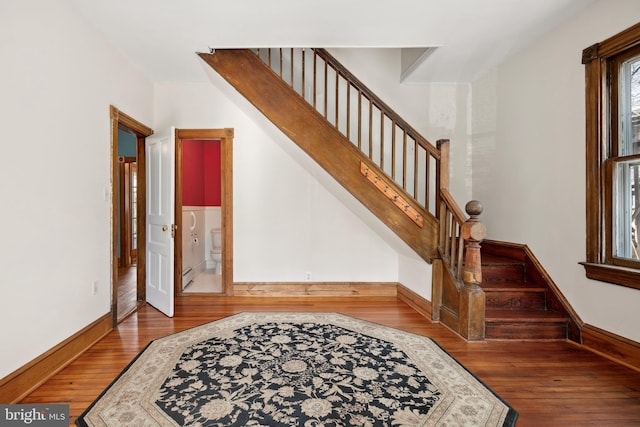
[296, 369]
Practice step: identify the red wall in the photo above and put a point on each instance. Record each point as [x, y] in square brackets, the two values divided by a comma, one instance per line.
[212, 181]
[201, 173]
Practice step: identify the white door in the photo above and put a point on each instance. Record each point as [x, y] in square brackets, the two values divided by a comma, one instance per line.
[161, 195]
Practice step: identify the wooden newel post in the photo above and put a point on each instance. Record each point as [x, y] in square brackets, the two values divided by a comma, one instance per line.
[473, 232]
[472, 298]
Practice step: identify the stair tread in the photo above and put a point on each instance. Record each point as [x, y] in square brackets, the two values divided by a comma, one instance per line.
[528, 315]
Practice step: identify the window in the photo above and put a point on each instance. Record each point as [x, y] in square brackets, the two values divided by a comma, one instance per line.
[625, 90]
[612, 71]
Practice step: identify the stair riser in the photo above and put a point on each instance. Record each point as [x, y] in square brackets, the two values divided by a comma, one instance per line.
[514, 331]
[515, 299]
[500, 273]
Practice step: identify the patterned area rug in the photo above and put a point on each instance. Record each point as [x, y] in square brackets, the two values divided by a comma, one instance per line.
[296, 369]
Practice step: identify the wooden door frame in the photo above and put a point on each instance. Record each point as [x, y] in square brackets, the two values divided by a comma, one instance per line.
[225, 136]
[122, 120]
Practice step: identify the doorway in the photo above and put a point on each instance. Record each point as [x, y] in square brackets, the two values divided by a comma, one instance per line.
[204, 210]
[128, 205]
[126, 199]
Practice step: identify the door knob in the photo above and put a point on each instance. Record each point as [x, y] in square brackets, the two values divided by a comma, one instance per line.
[165, 228]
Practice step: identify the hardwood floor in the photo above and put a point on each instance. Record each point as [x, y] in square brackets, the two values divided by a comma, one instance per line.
[552, 383]
[127, 295]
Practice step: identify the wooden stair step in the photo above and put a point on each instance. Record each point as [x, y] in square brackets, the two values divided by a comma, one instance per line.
[525, 324]
[518, 297]
[514, 295]
[526, 315]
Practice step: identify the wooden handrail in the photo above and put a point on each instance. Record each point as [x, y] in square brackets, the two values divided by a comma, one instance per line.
[459, 216]
[395, 147]
[369, 94]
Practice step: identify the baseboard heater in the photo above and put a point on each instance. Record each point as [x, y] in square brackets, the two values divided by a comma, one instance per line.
[187, 277]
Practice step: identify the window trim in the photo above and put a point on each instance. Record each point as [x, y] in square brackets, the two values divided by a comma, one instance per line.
[598, 60]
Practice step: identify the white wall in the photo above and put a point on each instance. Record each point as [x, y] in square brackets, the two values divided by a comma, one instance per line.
[529, 159]
[286, 220]
[57, 80]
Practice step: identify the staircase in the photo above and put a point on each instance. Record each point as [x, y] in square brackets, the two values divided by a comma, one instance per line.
[403, 179]
[520, 299]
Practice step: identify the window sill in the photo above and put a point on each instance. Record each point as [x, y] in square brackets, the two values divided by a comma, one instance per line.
[623, 276]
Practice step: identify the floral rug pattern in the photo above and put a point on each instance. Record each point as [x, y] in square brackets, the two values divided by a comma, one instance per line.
[296, 369]
[296, 374]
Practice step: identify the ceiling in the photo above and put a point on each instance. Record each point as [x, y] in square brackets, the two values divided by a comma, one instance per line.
[469, 36]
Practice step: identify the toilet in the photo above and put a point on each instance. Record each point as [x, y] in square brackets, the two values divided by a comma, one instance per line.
[216, 249]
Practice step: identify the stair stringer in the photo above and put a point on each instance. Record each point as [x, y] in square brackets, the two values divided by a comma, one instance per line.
[323, 143]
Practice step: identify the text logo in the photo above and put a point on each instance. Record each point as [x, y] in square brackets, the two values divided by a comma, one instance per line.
[34, 415]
